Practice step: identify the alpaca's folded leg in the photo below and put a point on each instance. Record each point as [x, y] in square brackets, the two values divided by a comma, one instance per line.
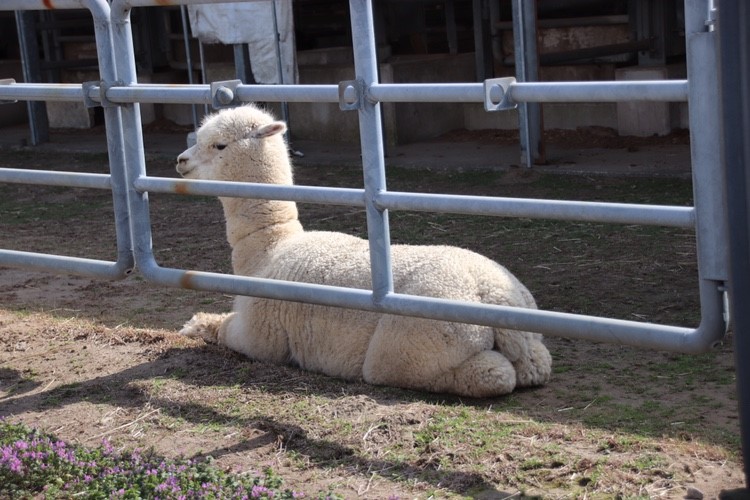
[486, 374]
[535, 367]
[205, 326]
[528, 354]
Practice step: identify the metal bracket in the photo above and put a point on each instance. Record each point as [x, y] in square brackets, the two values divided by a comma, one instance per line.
[351, 94]
[7, 81]
[103, 88]
[224, 94]
[496, 95]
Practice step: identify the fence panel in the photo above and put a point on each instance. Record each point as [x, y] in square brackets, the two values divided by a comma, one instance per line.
[124, 263]
[119, 94]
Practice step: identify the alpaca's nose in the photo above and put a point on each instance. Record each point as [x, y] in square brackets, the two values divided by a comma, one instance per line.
[182, 162]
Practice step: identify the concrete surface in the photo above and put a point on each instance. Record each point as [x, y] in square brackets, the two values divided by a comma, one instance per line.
[671, 160]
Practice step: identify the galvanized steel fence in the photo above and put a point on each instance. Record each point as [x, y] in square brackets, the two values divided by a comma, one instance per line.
[119, 94]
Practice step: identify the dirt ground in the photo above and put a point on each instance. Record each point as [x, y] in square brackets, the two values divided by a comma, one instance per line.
[88, 359]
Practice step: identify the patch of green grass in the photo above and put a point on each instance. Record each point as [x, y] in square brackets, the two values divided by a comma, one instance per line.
[646, 418]
[692, 369]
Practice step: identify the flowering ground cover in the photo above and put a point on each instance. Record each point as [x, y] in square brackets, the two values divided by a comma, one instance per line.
[32, 462]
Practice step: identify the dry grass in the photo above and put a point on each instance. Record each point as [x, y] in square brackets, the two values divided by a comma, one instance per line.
[91, 359]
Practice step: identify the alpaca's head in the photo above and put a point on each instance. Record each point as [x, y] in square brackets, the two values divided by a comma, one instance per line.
[239, 144]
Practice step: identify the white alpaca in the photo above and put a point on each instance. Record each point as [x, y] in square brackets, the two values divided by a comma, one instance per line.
[267, 240]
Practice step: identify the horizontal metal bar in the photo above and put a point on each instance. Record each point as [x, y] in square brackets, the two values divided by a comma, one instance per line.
[617, 213]
[569, 325]
[646, 90]
[53, 178]
[63, 264]
[302, 194]
[664, 90]
[288, 93]
[155, 93]
[606, 91]
[42, 92]
[43, 4]
[163, 3]
[201, 94]
[426, 92]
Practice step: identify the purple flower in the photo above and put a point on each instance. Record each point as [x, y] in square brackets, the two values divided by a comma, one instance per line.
[108, 448]
[258, 491]
[15, 465]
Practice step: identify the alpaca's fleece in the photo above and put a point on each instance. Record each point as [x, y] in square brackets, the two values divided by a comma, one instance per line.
[246, 144]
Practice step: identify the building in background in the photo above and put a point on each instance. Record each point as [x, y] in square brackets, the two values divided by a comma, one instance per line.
[419, 41]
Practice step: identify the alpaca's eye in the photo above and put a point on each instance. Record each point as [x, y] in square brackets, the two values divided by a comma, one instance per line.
[220, 146]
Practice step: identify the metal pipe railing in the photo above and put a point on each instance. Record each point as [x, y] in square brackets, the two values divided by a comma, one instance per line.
[601, 91]
[116, 181]
[121, 94]
[582, 211]
[54, 178]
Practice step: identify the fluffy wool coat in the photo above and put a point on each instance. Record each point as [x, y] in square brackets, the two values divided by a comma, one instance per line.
[268, 241]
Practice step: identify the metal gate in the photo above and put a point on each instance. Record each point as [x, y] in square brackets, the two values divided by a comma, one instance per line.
[119, 94]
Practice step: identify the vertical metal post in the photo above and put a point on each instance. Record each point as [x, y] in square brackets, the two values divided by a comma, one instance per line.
[371, 138]
[114, 130]
[527, 70]
[705, 138]
[242, 70]
[483, 62]
[650, 23]
[450, 26]
[496, 34]
[188, 59]
[202, 56]
[279, 68]
[37, 111]
[734, 75]
[135, 162]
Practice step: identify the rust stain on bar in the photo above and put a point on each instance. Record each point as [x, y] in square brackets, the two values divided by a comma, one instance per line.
[48, 4]
[181, 188]
[186, 281]
[164, 2]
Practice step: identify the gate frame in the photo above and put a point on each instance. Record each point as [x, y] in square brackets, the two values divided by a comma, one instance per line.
[119, 93]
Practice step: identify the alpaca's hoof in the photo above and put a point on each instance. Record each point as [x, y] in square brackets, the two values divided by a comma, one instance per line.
[534, 369]
[204, 326]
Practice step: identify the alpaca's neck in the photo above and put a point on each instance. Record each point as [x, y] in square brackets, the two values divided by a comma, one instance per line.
[263, 221]
[254, 227]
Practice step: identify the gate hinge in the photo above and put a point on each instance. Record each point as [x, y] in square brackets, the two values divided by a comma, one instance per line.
[351, 95]
[496, 95]
[224, 94]
[103, 88]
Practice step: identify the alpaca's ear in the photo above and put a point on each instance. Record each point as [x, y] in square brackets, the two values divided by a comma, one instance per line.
[270, 129]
